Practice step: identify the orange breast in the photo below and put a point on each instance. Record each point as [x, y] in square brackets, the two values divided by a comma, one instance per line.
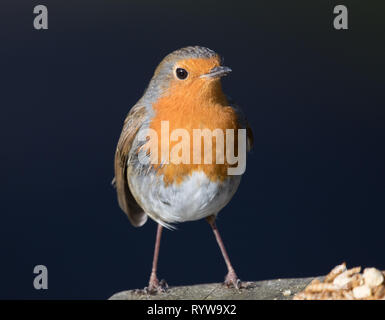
[200, 106]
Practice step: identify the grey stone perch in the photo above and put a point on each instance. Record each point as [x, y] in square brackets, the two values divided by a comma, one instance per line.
[280, 289]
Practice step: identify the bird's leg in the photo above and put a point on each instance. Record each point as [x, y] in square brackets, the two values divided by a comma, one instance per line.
[231, 278]
[154, 285]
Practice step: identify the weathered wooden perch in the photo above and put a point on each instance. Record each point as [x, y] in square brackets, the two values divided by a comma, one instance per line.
[280, 289]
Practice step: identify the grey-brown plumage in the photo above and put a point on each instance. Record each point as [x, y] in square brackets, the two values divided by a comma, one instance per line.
[127, 203]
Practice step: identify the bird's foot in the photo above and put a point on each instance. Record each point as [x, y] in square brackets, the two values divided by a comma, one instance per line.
[232, 280]
[155, 286]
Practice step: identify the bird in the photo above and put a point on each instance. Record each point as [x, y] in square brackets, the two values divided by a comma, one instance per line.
[186, 93]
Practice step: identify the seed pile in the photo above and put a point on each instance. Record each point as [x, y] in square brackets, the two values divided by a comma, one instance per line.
[346, 284]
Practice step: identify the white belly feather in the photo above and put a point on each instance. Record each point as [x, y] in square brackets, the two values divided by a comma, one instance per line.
[195, 198]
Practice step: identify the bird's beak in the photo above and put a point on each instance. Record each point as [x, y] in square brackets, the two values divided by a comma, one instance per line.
[217, 72]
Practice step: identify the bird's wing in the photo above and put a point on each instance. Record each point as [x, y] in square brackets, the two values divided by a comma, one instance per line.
[244, 123]
[127, 203]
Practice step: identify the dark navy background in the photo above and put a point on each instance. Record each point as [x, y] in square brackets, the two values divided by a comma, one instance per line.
[313, 194]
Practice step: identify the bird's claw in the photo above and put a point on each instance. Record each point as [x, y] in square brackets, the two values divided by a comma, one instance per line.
[156, 286]
[232, 280]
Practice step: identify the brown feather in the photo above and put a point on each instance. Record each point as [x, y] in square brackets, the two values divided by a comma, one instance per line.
[127, 203]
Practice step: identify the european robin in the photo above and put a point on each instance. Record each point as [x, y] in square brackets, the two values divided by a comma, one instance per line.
[185, 92]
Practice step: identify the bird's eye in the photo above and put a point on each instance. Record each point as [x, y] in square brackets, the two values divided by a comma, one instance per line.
[181, 73]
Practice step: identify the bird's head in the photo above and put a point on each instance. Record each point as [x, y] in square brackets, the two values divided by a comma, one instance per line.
[192, 71]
